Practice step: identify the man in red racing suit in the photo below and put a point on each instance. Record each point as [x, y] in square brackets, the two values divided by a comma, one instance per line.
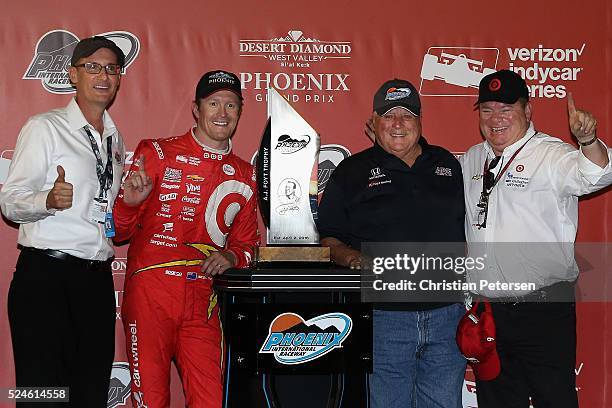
[189, 210]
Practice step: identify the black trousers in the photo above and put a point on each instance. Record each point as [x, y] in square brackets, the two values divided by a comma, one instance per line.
[62, 319]
[536, 343]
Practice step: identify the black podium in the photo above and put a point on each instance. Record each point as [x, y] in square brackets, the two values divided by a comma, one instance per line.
[296, 337]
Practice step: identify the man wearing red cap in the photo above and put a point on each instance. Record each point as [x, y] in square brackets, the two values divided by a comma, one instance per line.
[521, 193]
[189, 210]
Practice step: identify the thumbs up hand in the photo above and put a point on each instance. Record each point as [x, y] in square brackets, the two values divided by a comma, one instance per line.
[582, 124]
[60, 196]
[138, 185]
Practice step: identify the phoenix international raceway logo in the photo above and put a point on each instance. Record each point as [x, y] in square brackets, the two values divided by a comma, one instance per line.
[456, 71]
[294, 341]
[119, 388]
[53, 52]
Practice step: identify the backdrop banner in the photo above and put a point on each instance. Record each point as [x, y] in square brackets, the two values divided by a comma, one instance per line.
[327, 59]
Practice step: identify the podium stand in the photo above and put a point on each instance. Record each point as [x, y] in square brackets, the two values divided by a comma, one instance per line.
[260, 305]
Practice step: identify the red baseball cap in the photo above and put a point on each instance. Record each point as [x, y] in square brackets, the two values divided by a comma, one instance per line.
[476, 341]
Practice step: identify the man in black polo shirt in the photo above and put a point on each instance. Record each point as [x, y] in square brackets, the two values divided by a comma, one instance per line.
[401, 190]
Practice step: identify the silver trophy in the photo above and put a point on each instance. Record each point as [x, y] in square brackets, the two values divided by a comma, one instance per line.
[287, 169]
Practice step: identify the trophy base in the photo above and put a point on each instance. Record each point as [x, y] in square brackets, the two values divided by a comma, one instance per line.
[284, 254]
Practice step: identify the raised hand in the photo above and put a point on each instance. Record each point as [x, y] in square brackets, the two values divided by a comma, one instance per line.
[582, 124]
[60, 196]
[138, 185]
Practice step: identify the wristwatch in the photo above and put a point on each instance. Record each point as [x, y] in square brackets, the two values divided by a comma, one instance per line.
[588, 142]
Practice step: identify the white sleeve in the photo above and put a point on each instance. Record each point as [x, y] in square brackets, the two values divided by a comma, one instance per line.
[574, 174]
[23, 196]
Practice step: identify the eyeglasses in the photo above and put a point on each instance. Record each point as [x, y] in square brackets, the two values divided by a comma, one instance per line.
[95, 68]
[488, 182]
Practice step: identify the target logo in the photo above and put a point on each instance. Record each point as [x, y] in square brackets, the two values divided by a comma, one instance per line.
[494, 85]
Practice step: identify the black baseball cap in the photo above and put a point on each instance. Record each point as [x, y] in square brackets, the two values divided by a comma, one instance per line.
[214, 81]
[88, 46]
[502, 86]
[394, 93]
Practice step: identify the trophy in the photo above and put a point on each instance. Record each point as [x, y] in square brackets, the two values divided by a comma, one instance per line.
[287, 166]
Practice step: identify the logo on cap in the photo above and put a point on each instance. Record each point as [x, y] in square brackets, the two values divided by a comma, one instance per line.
[220, 77]
[494, 85]
[393, 94]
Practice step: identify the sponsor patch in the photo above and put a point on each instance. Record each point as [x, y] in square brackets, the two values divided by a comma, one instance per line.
[294, 341]
[444, 171]
[158, 149]
[173, 175]
[194, 178]
[228, 169]
[376, 173]
[516, 182]
[193, 189]
[191, 200]
[168, 197]
[170, 186]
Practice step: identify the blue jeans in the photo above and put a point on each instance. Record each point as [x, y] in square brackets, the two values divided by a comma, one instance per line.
[416, 360]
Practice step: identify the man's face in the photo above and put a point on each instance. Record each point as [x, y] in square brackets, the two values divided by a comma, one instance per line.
[217, 116]
[96, 89]
[289, 188]
[502, 124]
[397, 131]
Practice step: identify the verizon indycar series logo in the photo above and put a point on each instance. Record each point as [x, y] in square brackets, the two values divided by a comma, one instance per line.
[456, 71]
[119, 388]
[294, 341]
[53, 52]
[287, 145]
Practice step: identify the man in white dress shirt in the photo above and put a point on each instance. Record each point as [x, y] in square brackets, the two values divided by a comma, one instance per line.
[521, 197]
[62, 182]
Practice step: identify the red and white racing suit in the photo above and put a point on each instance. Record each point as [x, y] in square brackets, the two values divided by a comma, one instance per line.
[202, 201]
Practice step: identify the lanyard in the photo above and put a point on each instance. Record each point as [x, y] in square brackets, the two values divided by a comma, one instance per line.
[105, 174]
[501, 173]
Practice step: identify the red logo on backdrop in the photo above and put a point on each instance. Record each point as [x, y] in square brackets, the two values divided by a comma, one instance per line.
[494, 85]
[520, 168]
[456, 71]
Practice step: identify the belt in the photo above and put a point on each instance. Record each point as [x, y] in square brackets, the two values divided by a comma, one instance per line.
[71, 259]
[558, 292]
